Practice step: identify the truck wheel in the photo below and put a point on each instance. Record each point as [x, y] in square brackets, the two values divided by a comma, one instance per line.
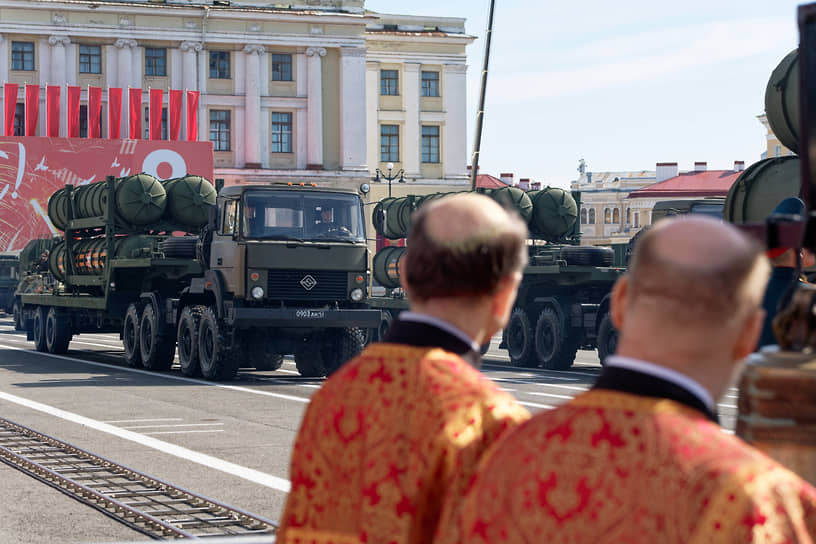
[385, 324]
[309, 363]
[554, 352]
[156, 350]
[187, 340]
[38, 327]
[216, 360]
[57, 331]
[18, 317]
[519, 339]
[130, 336]
[607, 338]
[340, 346]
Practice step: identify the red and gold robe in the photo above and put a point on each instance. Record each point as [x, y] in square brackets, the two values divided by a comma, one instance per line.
[614, 467]
[382, 442]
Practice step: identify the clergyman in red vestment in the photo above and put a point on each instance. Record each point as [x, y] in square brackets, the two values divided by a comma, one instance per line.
[395, 429]
[640, 457]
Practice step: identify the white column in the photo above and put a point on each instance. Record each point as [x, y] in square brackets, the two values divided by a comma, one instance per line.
[302, 119]
[189, 69]
[314, 101]
[410, 140]
[4, 59]
[352, 108]
[454, 133]
[125, 75]
[252, 118]
[59, 61]
[372, 115]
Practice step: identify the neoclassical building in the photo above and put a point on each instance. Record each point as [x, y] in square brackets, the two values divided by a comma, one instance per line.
[317, 90]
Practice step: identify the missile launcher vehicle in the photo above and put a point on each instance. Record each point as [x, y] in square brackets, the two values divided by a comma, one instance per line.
[9, 271]
[231, 278]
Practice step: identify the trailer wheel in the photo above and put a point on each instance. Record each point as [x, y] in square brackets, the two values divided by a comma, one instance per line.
[156, 350]
[607, 338]
[130, 336]
[57, 332]
[519, 339]
[339, 347]
[216, 360]
[18, 317]
[38, 328]
[385, 324]
[187, 340]
[553, 350]
[309, 363]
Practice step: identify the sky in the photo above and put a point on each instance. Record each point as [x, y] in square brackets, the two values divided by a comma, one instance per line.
[622, 85]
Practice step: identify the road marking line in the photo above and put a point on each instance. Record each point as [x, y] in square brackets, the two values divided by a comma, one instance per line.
[534, 405]
[252, 475]
[536, 393]
[507, 390]
[141, 420]
[188, 432]
[570, 387]
[178, 425]
[160, 375]
[734, 406]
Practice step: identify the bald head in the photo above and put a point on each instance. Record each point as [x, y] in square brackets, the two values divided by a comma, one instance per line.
[463, 245]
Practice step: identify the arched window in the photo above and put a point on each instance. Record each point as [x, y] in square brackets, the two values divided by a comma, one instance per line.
[592, 216]
[628, 216]
[583, 216]
[607, 216]
[616, 216]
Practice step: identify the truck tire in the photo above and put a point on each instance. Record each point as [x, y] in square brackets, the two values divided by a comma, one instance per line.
[260, 353]
[217, 362]
[157, 351]
[18, 317]
[607, 338]
[554, 352]
[57, 331]
[519, 339]
[130, 336]
[187, 340]
[309, 363]
[588, 255]
[183, 247]
[38, 328]
[385, 324]
[339, 347]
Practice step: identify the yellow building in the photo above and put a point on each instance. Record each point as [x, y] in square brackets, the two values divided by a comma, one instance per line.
[774, 147]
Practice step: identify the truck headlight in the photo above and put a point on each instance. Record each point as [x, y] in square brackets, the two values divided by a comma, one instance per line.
[356, 295]
[257, 293]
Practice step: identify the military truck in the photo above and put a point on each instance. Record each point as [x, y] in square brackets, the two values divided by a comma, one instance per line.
[8, 280]
[558, 308]
[34, 276]
[240, 276]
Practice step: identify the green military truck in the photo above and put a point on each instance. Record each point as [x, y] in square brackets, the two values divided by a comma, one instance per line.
[271, 270]
[9, 272]
[34, 276]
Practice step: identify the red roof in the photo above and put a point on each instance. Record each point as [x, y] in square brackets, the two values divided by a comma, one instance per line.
[690, 184]
[486, 181]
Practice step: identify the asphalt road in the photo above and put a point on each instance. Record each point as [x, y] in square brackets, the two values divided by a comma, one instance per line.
[228, 441]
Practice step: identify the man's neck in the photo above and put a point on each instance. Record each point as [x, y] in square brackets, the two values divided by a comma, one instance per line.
[459, 317]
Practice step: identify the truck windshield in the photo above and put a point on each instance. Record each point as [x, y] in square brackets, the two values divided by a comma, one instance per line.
[313, 216]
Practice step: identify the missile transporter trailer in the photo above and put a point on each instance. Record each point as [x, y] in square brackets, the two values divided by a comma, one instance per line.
[563, 295]
[266, 274]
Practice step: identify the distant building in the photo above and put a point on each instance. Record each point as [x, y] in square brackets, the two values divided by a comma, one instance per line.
[774, 146]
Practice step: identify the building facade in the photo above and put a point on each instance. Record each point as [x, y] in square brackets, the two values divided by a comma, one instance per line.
[300, 92]
[773, 147]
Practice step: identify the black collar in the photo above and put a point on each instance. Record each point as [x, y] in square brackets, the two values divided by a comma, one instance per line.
[414, 333]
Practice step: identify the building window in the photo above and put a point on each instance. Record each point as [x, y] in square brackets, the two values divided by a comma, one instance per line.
[220, 65]
[616, 216]
[592, 216]
[281, 67]
[637, 219]
[19, 120]
[430, 144]
[281, 137]
[430, 83]
[22, 56]
[146, 124]
[84, 122]
[90, 59]
[777, 151]
[155, 61]
[389, 143]
[607, 216]
[583, 216]
[389, 82]
[220, 130]
[628, 216]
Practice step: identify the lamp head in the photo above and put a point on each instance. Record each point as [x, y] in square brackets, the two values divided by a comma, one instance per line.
[390, 165]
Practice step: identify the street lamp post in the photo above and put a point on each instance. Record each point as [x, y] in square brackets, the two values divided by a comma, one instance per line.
[399, 176]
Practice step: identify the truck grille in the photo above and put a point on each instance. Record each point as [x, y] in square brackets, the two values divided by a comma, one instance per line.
[307, 285]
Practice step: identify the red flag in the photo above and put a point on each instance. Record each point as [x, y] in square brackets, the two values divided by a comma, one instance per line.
[156, 97]
[32, 104]
[135, 96]
[114, 112]
[175, 113]
[73, 111]
[192, 116]
[95, 112]
[10, 97]
[52, 110]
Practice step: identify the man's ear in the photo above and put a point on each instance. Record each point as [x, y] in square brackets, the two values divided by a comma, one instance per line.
[617, 302]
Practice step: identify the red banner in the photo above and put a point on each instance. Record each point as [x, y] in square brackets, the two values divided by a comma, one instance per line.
[114, 112]
[192, 116]
[52, 110]
[135, 111]
[156, 98]
[10, 97]
[73, 111]
[32, 169]
[32, 107]
[94, 112]
[174, 108]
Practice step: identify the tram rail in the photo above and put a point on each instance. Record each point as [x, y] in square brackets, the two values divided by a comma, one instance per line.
[151, 506]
